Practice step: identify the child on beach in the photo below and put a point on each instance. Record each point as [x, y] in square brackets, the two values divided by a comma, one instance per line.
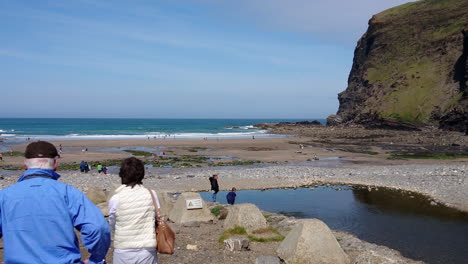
[231, 196]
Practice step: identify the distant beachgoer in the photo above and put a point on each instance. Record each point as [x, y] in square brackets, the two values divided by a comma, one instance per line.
[214, 186]
[104, 169]
[99, 168]
[1, 156]
[253, 137]
[231, 196]
[82, 166]
[87, 167]
[60, 149]
[315, 157]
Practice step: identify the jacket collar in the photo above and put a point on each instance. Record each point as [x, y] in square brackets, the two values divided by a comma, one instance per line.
[39, 172]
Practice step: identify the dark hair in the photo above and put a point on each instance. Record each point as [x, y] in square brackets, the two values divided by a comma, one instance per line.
[132, 171]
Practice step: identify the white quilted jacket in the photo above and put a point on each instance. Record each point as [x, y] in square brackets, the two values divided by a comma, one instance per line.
[135, 218]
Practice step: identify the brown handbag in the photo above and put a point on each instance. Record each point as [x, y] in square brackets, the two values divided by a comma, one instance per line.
[165, 237]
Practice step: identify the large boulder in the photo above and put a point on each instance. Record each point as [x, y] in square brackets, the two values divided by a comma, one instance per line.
[334, 120]
[96, 195]
[311, 242]
[166, 202]
[245, 215]
[180, 214]
[111, 191]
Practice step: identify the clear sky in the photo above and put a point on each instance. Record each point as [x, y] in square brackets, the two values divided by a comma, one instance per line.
[178, 58]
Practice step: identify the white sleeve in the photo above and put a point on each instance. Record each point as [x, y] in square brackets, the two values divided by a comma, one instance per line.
[113, 203]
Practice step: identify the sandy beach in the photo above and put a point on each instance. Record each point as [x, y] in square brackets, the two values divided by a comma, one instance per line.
[277, 162]
[261, 163]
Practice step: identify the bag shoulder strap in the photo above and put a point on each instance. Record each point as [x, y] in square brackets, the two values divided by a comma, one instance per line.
[158, 214]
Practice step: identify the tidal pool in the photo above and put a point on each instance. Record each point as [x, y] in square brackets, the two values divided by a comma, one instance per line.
[403, 221]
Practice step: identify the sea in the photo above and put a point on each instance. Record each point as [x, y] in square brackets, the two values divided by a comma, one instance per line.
[18, 130]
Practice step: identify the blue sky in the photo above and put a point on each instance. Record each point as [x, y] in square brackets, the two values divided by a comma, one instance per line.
[178, 59]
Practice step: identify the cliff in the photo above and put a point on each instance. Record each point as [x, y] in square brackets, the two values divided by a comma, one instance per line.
[411, 67]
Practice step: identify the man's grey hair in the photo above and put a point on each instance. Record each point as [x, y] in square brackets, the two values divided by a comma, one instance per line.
[40, 163]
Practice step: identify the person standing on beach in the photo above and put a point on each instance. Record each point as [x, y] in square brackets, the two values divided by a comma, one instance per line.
[39, 215]
[214, 186]
[82, 166]
[231, 196]
[99, 168]
[132, 216]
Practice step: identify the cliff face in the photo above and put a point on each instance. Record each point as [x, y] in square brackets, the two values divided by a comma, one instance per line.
[411, 66]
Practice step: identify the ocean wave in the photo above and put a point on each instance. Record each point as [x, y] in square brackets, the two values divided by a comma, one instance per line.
[240, 127]
[147, 136]
[7, 135]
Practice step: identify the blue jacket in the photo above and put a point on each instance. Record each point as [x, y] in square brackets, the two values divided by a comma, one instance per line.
[37, 220]
[231, 197]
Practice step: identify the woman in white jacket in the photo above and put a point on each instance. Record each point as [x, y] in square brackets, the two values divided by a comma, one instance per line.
[132, 217]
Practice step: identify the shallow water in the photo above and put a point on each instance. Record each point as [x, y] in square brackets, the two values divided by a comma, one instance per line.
[403, 221]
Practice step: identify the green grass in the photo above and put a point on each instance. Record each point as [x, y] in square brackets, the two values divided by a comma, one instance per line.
[413, 98]
[76, 166]
[196, 149]
[237, 230]
[396, 156]
[241, 231]
[216, 210]
[278, 237]
[139, 153]
[13, 154]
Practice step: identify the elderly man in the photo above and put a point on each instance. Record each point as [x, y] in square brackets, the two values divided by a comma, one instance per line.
[38, 215]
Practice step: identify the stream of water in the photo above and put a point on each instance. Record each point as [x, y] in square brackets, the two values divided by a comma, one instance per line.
[403, 221]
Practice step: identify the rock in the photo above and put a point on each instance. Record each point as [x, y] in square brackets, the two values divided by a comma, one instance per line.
[191, 224]
[309, 123]
[111, 191]
[382, 87]
[236, 244]
[192, 247]
[96, 195]
[456, 120]
[333, 120]
[180, 214]
[166, 202]
[104, 207]
[267, 260]
[245, 215]
[375, 257]
[311, 242]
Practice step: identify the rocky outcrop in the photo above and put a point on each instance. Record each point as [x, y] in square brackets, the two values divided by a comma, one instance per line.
[181, 214]
[287, 124]
[311, 242]
[245, 215]
[411, 65]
